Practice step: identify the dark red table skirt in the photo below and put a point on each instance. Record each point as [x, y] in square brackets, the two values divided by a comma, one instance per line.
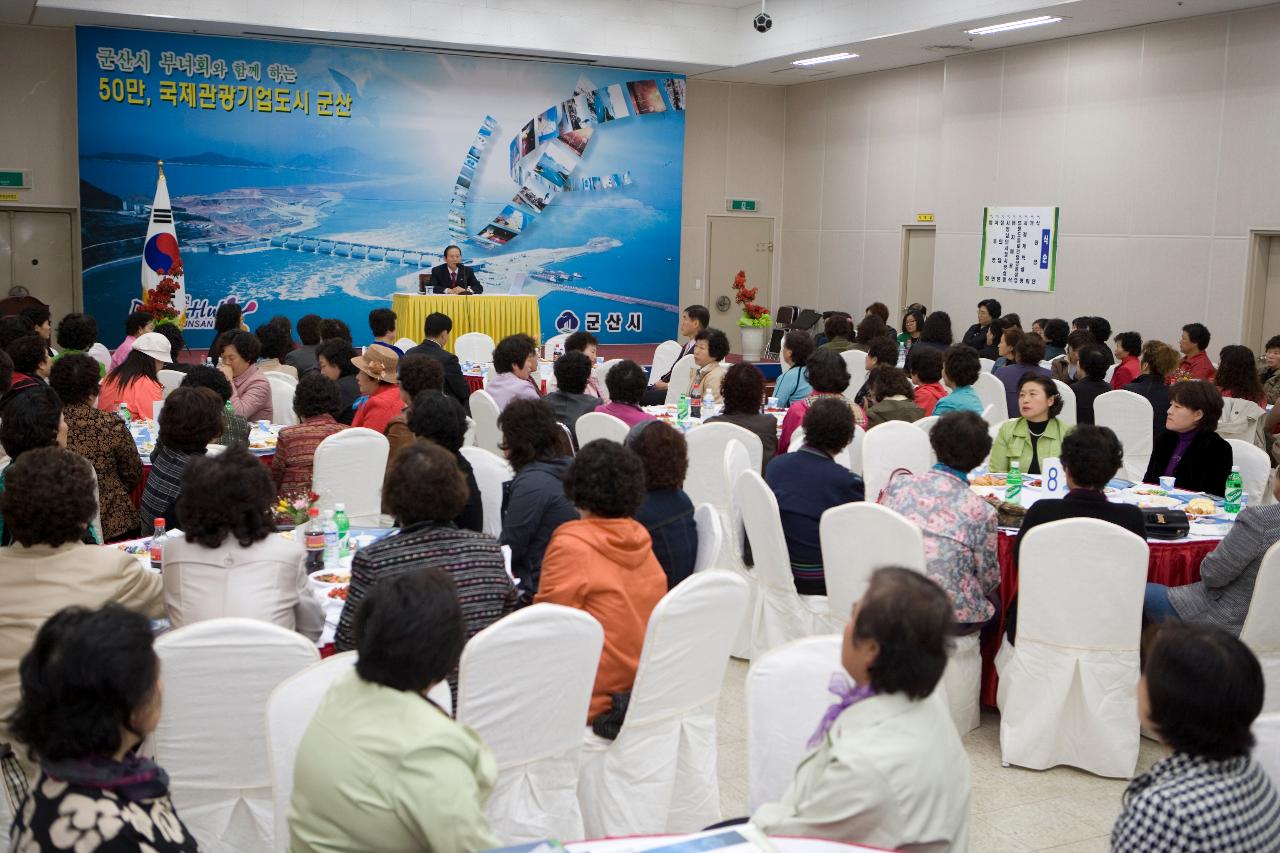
[146, 472]
[1171, 563]
[474, 383]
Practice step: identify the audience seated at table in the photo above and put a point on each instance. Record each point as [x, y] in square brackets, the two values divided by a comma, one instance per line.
[1236, 376]
[94, 791]
[829, 377]
[1128, 353]
[1270, 373]
[101, 438]
[693, 319]
[437, 418]
[228, 318]
[137, 324]
[743, 390]
[959, 527]
[229, 560]
[667, 512]
[603, 563]
[533, 502]
[1190, 450]
[382, 325]
[302, 358]
[424, 492]
[276, 346]
[235, 429]
[709, 349]
[808, 482]
[190, 420]
[1195, 360]
[381, 766]
[1037, 434]
[1158, 361]
[78, 333]
[976, 335]
[1028, 352]
[912, 326]
[1201, 689]
[378, 384]
[570, 400]
[435, 336]
[935, 335]
[587, 344]
[625, 382]
[890, 396]
[886, 767]
[515, 366]
[960, 369]
[333, 361]
[417, 373]
[250, 390]
[926, 376]
[1094, 363]
[31, 420]
[134, 382]
[30, 357]
[880, 350]
[838, 330]
[315, 402]
[793, 384]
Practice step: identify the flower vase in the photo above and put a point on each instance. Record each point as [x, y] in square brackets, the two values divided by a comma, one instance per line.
[753, 341]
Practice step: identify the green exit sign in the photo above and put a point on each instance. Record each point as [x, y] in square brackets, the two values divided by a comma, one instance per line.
[744, 205]
[15, 179]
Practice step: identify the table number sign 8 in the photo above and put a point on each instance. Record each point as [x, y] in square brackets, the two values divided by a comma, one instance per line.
[1054, 478]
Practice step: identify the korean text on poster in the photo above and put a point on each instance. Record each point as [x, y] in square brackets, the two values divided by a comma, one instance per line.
[1019, 248]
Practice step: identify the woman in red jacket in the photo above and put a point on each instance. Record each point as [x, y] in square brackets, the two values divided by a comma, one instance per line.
[379, 383]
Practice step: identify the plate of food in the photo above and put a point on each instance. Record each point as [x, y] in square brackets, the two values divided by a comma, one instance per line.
[339, 592]
[1148, 501]
[327, 580]
[1203, 508]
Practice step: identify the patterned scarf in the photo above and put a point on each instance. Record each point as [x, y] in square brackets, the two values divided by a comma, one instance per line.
[134, 778]
[847, 694]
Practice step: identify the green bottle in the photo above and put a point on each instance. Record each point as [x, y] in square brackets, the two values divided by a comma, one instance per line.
[1235, 488]
[682, 409]
[344, 529]
[1013, 487]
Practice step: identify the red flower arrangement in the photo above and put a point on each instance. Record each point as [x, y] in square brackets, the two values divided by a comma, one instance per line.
[752, 314]
[158, 300]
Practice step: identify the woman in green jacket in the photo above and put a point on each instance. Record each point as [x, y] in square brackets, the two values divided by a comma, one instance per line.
[1037, 434]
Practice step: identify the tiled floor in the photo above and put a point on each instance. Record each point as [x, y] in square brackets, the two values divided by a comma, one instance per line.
[1014, 810]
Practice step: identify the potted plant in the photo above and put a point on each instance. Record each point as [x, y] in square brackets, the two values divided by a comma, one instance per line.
[755, 320]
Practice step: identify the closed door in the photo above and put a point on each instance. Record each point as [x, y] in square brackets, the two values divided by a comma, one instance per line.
[737, 243]
[1271, 305]
[917, 267]
[36, 253]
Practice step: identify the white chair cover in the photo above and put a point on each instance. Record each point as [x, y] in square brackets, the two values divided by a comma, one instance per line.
[1068, 690]
[599, 372]
[856, 361]
[710, 537]
[475, 347]
[349, 467]
[991, 392]
[1255, 469]
[987, 364]
[1068, 413]
[1111, 371]
[660, 774]
[484, 410]
[211, 738]
[1266, 749]
[406, 344]
[709, 481]
[890, 446]
[736, 460]
[469, 439]
[926, 424]
[857, 539]
[532, 716]
[1242, 419]
[797, 440]
[681, 379]
[994, 415]
[663, 358]
[844, 457]
[708, 442]
[549, 348]
[169, 379]
[282, 390]
[1129, 417]
[491, 472]
[787, 694]
[1261, 631]
[595, 425]
[960, 687]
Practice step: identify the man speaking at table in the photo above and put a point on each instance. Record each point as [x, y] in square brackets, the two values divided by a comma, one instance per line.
[452, 276]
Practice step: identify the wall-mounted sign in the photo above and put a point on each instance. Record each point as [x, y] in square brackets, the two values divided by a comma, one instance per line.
[16, 179]
[1019, 248]
[742, 205]
[924, 217]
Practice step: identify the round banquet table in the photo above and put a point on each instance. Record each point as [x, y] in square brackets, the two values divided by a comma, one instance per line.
[474, 383]
[1171, 563]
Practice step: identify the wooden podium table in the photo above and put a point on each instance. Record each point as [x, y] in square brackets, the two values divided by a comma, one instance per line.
[496, 315]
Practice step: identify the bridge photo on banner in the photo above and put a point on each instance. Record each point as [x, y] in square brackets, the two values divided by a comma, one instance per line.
[317, 179]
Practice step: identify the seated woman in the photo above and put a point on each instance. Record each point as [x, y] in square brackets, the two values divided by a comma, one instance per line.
[380, 385]
[912, 326]
[276, 346]
[870, 327]
[959, 527]
[667, 512]
[1066, 367]
[1190, 450]
[935, 335]
[1200, 691]
[235, 429]
[885, 767]
[829, 377]
[838, 329]
[229, 562]
[1095, 360]
[571, 399]
[333, 361]
[960, 369]
[418, 373]
[134, 382]
[31, 420]
[926, 376]
[533, 501]
[793, 384]
[1158, 361]
[515, 362]
[1037, 434]
[423, 779]
[890, 396]
[250, 389]
[743, 390]
[315, 402]
[626, 383]
[809, 482]
[94, 791]
[190, 419]
[439, 419]
[101, 438]
[604, 564]
[1241, 380]
[30, 356]
[1028, 351]
[1269, 376]
[587, 344]
[424, 492]
[976, 335]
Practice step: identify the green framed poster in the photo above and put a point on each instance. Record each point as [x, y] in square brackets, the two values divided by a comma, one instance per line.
[1019, 248]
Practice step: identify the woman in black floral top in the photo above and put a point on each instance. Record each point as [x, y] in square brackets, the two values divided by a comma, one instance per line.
[94, 794]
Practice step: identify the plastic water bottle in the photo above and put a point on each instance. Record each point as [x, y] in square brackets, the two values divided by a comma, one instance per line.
[682, 409]
[158, 538]
[313, 541]
[1233, 492]
[709, 404]
[1013, 484]
[122, 412]
[330, 541]
[344, 529]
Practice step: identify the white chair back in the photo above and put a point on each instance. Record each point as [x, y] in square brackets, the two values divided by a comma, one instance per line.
[211, 738]
[549, 348]
[1111, 371]
[736, 461]
[705, 480]
[484, 411]
[282, 390]
[660, 774]
[1068, 413]
[987, 364]
[474, 346]
[681, 379]
[787, 694]
[844, 457]
[349, 468]
[710, 439]
[710, 537]
[926, 424]
[663, 358]
[1261, 631]
[169, 379]
[1266, 747]
[994, 414]
[857, 539]
[1255, 469]
[531, 717]
[991, 392]
[491, 471]
[1129, 416]
[599, 372]
[405, 344]
[595, 425]
[890, 446]
[856, 361]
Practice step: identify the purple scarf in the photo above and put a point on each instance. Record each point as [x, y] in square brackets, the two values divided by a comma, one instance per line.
[848, 694]
[134, 778]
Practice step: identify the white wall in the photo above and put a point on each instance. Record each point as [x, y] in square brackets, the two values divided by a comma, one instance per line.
[38, 103]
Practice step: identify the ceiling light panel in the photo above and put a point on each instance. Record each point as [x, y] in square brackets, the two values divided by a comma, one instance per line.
[1013, 25]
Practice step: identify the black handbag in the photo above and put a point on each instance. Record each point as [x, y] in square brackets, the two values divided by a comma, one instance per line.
[1166, 523]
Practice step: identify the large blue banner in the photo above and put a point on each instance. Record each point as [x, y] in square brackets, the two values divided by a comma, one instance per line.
[318, 179]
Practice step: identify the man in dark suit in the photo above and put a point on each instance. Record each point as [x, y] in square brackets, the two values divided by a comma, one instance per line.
[435, 333]
[452, 276]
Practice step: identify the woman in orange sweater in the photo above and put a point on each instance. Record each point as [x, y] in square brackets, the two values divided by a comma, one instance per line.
[604, 564]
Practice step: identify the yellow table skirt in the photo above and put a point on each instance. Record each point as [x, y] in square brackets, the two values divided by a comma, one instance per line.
[496, 315]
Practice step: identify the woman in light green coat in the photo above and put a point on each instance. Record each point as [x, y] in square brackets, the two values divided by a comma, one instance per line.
[1037, 434]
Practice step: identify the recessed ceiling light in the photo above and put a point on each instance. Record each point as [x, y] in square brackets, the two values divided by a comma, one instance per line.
[830, 57]
[1013, 25]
